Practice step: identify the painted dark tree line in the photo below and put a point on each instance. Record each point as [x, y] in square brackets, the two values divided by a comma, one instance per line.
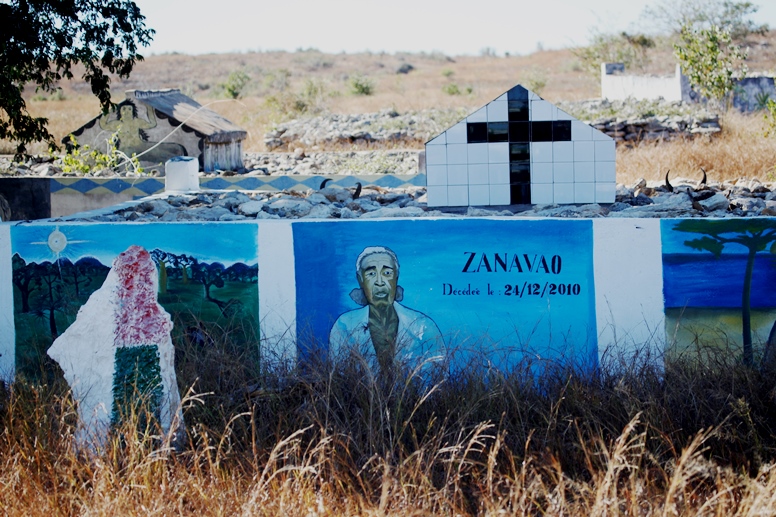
[755, 235]
[48, 288]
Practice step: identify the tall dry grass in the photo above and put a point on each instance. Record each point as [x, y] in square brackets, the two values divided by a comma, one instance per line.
[740, 150]
[688, 439]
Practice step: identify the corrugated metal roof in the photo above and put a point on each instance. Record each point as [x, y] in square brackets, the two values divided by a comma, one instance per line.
[173, 104]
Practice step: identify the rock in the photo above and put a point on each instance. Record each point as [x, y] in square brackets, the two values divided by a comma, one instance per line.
[251, 208]
[394, 212]
[716, 202]
[293, 207]
[319, 212]
[405, 68]
[336, 194]
[120, 326]
[748, 204]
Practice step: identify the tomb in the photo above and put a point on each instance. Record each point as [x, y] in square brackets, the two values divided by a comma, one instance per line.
[520, 149]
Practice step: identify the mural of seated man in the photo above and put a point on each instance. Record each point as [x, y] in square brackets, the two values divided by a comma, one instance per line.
[388, 336]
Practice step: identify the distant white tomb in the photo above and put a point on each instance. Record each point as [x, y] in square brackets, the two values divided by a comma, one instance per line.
[520, 149]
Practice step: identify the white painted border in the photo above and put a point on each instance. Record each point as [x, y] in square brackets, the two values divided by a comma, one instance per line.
[277, 292]
[629, 303]
[7, 330]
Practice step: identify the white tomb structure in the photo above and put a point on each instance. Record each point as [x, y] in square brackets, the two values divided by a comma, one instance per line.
[520, 149]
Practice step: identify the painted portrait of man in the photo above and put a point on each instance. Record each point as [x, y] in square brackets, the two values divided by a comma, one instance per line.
[385, 333]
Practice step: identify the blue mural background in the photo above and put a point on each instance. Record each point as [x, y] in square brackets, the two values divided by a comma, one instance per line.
[498, 328]
[704, 275]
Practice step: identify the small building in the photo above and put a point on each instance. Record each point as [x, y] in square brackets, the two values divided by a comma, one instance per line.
[520, 149]
[157, 125]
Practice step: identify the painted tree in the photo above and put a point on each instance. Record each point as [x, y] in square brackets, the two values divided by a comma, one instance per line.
[161, 258]
[208, 275]
[755, 235]
[25, 279]
[52, 299]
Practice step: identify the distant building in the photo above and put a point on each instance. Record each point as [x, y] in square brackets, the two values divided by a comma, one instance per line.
[159, 124]
[520, 149]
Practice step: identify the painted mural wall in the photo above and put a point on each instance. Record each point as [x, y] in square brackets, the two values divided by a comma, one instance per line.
[398, 293]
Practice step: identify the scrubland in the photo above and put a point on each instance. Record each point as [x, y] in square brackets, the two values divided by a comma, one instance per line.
[637, 437]
[273, 86]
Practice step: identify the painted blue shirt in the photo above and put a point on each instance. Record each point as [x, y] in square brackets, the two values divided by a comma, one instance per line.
[419, 338]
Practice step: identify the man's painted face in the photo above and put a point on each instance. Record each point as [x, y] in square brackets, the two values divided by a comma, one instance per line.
[378, 278]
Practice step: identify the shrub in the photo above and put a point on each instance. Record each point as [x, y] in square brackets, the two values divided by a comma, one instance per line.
[361, 85]
[235, 84]
[710, 60]
[83, 159]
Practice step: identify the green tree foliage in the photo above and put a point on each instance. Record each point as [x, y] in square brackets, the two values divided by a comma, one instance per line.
[710, 60]
[42, 41]
[671, 16]
[235, 84]
[754, 235]
[628, 49]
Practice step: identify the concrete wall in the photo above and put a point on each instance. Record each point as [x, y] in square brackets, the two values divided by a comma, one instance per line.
[493, 289]
[615, 85]
[58, 197]
[748, 94]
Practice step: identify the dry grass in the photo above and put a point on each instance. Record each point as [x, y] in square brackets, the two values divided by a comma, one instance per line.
[740, 151]
[283, 77]
[689, 439]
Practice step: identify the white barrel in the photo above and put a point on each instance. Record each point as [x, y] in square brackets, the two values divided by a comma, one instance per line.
[181, 174]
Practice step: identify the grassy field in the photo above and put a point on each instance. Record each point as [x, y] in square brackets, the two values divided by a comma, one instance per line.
[282, 85]
[687, 439]
[637, 438]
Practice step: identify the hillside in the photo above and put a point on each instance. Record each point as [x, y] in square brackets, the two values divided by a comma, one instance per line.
[282, 85]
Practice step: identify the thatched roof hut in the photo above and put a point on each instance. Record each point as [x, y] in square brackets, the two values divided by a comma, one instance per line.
[159, 124]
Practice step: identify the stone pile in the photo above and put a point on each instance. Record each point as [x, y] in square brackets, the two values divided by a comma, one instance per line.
[635, 121]
[319, 162]
[744, 198]
[386, 128]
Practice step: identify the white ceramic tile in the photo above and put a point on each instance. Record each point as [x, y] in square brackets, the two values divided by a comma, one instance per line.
[498, 152]
[584, 151]
[584, 172]
[541, 152]
[600, 135]
[457, 153]
[477, 153]
[605, 192]
[457, 133]
[498, 173]
[563, 172]
[581, 131]
[541, 173]
[562, 115]
[499, 194]
[436, 155]
[436, 175]
[436, 195]
[479, 174]
[439, 140]
[605, 172]
[458, 195]
[563, 151]
[479, 195]
[498, 111]
[541, 110]
[584, 192]
[503, 97]
[532, 96]
[542, 193]
[604, 151]
[481, 115]
[563, 193]
[458, 174]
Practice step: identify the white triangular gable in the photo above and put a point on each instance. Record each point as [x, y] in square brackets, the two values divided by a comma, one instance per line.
[520, 149]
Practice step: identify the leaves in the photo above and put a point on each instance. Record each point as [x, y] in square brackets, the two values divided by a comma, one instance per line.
[710, 60]
[41, 42]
